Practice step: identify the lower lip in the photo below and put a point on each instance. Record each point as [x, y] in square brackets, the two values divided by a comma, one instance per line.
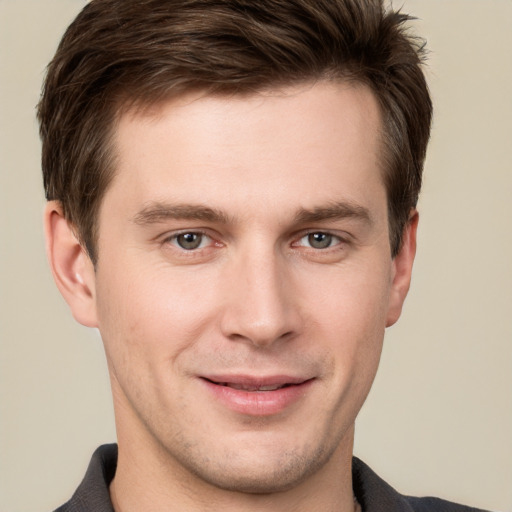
[258, 403]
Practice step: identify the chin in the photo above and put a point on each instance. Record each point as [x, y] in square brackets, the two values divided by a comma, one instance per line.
[265, 475]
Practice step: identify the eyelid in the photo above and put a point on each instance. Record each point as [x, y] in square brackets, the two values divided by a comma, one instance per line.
[343, 238]
[170, 237]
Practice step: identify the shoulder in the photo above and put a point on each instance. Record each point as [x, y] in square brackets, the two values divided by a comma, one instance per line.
[375, 495]
[92, 494]
[437, 505]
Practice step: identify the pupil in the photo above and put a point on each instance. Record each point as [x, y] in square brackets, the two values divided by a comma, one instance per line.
[189, 240]
[320, 240]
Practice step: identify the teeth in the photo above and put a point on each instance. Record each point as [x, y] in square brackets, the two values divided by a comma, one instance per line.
[270, 388]
[243, 387]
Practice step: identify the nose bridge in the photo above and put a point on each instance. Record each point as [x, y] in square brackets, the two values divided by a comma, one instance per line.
[261, 307]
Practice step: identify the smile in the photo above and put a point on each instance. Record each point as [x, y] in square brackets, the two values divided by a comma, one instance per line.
[258, 396]
[245, 387]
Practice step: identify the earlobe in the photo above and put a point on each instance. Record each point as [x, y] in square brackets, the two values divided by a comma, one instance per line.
[71, 266]
[402, 269]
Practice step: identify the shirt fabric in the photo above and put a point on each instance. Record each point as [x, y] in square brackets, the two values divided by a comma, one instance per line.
[372, 493]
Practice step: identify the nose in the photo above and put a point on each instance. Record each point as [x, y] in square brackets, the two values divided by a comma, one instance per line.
[261, 304]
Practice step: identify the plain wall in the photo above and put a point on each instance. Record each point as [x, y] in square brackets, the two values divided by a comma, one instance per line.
[439, 419]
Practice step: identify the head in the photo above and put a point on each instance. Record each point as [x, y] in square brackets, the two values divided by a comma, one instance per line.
[236, 191]
[120, 55]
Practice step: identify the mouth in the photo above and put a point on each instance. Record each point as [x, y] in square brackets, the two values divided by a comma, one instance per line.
[258, 396]
[252, 387]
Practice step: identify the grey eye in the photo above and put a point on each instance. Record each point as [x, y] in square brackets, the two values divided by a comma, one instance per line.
[319, 240]
[189, 241]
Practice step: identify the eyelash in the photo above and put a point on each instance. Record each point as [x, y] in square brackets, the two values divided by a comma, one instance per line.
[173, 240]
[338, 240]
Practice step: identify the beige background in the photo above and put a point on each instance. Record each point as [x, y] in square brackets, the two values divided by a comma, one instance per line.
[439, 419]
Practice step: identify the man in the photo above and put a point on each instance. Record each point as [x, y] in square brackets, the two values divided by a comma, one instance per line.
[232, 192]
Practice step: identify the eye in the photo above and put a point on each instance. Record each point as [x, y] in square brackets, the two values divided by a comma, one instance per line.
[190, 241]
[319, 240]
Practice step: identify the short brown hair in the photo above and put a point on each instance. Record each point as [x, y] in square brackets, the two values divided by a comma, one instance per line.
[137, 52]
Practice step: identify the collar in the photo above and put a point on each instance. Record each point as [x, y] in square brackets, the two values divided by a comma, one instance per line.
[372, 493]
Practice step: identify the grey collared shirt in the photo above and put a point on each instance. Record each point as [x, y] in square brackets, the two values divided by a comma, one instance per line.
[372, 493]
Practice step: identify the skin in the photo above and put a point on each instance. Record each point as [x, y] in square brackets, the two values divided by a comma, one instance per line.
[292, 276]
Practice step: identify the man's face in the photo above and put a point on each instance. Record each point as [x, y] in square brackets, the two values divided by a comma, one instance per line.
[244, 281]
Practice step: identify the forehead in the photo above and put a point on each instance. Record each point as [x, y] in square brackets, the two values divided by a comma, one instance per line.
[271, 146]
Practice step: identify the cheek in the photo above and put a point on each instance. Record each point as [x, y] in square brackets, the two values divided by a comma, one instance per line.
[354, 297]
[149, 314]
[350, 316]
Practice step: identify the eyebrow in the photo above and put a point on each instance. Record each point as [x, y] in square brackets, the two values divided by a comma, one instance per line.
[334, 211]
[156, 212]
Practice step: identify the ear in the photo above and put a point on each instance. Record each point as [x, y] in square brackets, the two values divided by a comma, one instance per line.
[402, 269]
[71, 266]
